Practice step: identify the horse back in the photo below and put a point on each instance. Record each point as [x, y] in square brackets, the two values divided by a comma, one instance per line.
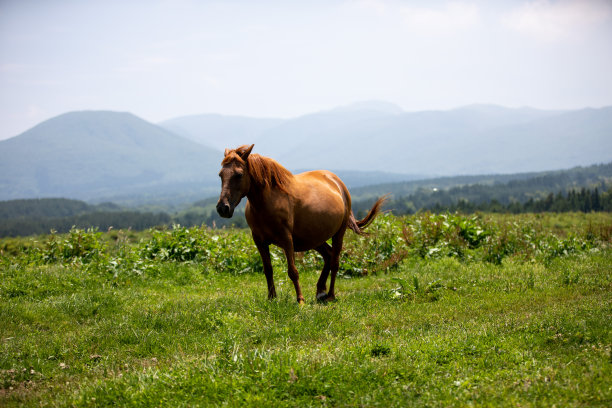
[322, 188]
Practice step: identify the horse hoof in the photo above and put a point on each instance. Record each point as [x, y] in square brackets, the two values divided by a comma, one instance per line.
[325, 297]
[300, 302]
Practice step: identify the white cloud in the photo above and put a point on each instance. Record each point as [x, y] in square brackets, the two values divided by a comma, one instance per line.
[376, 7]
[145, 64]
[552, 20]
[428, 19]
[451, 17]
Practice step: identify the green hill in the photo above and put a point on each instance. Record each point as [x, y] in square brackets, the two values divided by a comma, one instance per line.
[40, 216]
[88, 155]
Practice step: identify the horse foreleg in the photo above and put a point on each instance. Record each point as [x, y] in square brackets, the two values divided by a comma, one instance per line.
[292, 270]
[325, 250]
[264, 253]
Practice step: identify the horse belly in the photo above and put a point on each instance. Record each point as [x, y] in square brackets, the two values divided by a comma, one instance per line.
[317, 221]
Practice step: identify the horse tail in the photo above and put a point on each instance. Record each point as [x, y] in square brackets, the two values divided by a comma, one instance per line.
[359, 225]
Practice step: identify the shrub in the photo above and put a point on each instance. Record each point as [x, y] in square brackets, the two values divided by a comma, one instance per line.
[380, 250]
[453, 235]
[222, 250]
[78, 246]
[442, 235]
[177, 244]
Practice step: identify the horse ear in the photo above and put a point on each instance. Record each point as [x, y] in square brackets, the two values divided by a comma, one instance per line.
[244, 155]
[226, 152]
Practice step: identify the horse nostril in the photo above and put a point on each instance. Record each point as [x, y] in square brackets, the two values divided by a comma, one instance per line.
[223, 209]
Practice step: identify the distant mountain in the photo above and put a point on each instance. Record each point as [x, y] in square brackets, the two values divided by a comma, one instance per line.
[89, 155]
[223, 131]
[330, 139]
[220, 131]
[110, 156]
[377, 136]
[477, 139]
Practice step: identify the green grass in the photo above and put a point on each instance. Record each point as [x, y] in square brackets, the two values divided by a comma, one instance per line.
[448, 331]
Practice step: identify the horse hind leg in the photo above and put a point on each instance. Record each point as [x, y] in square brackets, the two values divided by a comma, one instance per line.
[336, 248]
[325, 250]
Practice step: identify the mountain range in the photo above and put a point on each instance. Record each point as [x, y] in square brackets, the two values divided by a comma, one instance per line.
[101, 155]
[377, 136]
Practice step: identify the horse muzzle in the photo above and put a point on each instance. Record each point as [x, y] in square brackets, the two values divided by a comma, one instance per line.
[225, 210]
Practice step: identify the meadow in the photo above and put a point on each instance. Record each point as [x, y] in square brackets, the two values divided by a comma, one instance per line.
[432, 310]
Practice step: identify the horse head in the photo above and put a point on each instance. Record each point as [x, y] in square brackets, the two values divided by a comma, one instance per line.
[235, 180]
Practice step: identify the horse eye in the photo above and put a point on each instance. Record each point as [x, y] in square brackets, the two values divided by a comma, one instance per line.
[238, 176]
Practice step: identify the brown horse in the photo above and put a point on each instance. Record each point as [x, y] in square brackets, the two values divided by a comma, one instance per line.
[294, 212]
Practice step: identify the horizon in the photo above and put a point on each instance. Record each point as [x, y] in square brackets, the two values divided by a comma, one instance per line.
[164, 59]
[471, 105]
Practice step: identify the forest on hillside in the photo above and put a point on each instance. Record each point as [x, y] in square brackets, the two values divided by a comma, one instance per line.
[41, 216]
[520, 186]
[576, 190]
[579, 189]
[583, 200]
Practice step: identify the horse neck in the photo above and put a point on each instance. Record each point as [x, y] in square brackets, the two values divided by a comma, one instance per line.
[257, 194]
[272, 179]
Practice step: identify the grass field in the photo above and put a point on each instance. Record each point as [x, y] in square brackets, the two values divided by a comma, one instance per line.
[430, 312]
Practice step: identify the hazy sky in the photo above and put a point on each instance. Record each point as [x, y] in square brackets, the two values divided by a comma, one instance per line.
[161, 59]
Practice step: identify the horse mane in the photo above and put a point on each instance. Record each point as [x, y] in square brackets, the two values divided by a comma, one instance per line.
[268, 172]
[265, 172]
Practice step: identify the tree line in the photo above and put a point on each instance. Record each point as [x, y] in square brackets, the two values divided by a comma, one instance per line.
[575, 200]
[583, 200]
[40, 216]
[103, 220]
[50, 207]
[501, 187]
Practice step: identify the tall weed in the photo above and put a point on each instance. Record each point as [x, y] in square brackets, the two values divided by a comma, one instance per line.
[471, 238]
[220, 250]
[78, 246]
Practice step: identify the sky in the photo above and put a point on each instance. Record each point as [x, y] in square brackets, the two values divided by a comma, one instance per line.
[161, 59]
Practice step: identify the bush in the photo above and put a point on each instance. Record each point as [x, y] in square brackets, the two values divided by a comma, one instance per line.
[452, 235]
[381, 249]
[222, 250]
[78, 246]
[176, 244]
[442, 235]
